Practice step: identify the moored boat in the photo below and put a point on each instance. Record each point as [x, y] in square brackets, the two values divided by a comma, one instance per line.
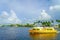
[42, 30]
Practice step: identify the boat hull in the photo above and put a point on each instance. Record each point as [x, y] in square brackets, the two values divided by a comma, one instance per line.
[41, 32]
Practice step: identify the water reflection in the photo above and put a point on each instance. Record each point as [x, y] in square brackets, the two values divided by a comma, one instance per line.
[43, 36]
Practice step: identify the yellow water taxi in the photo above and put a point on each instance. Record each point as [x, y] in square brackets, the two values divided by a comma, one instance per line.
[42, 30]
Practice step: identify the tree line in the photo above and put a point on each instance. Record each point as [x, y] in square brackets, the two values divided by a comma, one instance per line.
[36, 23]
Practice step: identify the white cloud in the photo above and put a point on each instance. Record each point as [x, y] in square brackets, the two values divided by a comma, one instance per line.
[51, 8]
[13, 18]
[5, 18]
[44, 15]
[55, 7]
[4, 14]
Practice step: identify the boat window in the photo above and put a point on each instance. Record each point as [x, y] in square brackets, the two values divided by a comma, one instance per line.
[38, 29]
[49, 29]
[34, 29]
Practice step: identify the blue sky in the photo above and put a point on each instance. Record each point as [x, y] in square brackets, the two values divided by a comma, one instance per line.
[27, 11]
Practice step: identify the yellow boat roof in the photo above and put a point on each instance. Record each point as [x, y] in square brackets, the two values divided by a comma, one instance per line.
[37, 27]
[43, 27]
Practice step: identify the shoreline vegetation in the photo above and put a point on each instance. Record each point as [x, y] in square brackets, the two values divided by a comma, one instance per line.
[51, 23]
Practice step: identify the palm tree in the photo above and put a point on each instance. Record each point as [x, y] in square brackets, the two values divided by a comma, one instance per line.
[37, 22]
[46, 23]
[52, 23]
[58, 21]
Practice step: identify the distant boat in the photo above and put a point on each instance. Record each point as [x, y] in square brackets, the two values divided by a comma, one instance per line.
[42, 30]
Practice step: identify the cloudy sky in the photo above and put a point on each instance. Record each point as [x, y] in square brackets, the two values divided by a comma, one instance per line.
[22, 11]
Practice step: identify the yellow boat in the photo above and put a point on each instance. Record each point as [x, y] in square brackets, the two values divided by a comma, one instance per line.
[42, 30]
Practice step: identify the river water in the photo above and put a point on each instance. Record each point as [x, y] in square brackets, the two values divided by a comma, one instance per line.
[21, 33]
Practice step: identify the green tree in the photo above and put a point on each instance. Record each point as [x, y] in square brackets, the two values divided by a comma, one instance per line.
[58, 21]
[29, 25]
[46, 23]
